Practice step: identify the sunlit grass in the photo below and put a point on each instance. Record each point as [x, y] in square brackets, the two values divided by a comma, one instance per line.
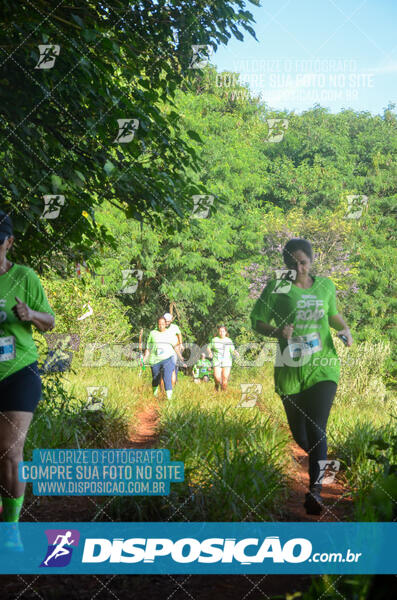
[236, 459]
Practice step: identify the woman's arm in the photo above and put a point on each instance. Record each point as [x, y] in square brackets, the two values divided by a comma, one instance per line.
[277, 332]
[178, 352]
[42, 320]
[146, 354]
[179, 336]
[337, 322]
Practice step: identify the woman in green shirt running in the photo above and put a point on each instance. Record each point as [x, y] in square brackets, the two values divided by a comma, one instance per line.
[22, 303]
[161, 348]
[221, 349]
[303, 308]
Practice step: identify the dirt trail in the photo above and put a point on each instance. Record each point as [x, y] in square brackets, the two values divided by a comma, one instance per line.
[338, 505]
[143, 432]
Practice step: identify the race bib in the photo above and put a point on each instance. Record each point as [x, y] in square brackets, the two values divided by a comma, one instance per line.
[7, 348]
[304, 345]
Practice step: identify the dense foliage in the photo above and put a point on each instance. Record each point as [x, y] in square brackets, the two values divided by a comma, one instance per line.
[212, 269]
[68, 73]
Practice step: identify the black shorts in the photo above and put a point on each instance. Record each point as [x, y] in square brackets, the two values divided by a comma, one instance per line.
[21, 390]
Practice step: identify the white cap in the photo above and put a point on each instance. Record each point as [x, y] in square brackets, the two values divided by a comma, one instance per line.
[167, 316]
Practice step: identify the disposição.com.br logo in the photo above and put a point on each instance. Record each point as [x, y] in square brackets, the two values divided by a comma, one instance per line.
[60, 547]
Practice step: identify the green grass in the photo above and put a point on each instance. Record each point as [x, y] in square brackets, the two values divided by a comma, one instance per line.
[61, 420]
[234, 460]
[236, 463]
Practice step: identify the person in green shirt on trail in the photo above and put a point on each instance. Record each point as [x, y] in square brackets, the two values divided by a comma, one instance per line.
[161, 347]
[306, 373]
[221, 350]
[174, 329]
[202, 369]
[22, 303]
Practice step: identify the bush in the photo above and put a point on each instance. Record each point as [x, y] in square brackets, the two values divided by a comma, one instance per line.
[363, 368]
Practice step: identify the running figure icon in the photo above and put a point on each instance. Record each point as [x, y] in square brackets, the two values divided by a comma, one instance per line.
[59, 549]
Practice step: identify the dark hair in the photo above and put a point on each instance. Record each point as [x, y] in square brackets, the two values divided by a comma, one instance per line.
[292, 246]
[224, 326]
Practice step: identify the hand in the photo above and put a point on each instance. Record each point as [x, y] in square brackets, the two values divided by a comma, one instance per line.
[22, 310]
[346, 332]
[287, 331]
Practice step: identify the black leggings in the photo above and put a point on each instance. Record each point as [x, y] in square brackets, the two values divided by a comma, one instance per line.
[21, 390]
[307, 414]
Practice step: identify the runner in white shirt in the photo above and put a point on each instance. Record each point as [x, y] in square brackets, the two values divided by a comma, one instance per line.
[174, 329]
[221, 349]
[160, 349]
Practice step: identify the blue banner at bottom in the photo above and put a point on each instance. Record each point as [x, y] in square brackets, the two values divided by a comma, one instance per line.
[193, 548]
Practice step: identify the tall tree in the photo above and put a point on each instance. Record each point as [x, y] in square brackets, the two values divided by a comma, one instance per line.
[83, 92]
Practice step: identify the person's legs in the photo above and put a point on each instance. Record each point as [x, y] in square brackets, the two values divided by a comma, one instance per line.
[156, 377]
[225, 377]
[296, 419]
[217, 377]
[317, 404]
[175, 372]
[168, 366]
[19, 395]
[14, 426]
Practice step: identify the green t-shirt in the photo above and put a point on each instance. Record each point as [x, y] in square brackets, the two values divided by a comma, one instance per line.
[222, 350]
[160, 344]
[202, 367]
[309, 356]
[17, 348]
